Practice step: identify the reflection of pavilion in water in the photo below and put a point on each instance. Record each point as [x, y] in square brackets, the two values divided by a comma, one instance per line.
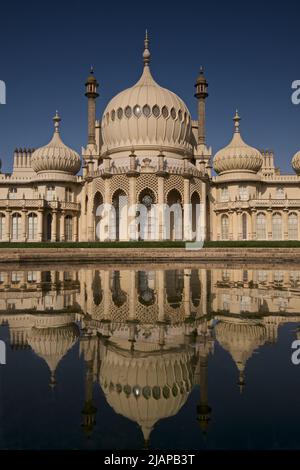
[146, 336]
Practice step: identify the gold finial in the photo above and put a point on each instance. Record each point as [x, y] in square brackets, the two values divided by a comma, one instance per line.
[236, 120]
[92, 69]
[56, 120]
[146, 53]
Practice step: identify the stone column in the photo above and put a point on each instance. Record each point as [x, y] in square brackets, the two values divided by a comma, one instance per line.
[132, 296]
[160, 288]
[187, 213]
[24, 231]
[54, 226]
[75, 231]
[161, 211]
[8, 224]
[107, 200]
[62, 226]
[269, 224]
[230, 225]
[90, 215]
[187, 293]
[285, 229]
[40, 225]
[253, 218]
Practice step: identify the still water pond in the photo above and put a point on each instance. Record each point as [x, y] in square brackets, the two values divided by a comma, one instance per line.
[159, 359]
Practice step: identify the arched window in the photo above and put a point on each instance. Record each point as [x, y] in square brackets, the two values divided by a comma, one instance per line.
[32, 226]
[244, 226]
[243, 192]
[277, 227]
[68, 228]
[2, 226]
[224, 194]
[196, 216]
[224, 227]
[50, 193]
[16, 226]
[261, 226]
[98, 201]
[69, 195]
[293, 226]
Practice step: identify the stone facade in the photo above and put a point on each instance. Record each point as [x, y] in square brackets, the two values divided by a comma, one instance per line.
[148, 150]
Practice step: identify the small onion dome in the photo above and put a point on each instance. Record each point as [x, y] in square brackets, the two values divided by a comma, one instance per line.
[56, 156]
[296, 162]
[237, 156]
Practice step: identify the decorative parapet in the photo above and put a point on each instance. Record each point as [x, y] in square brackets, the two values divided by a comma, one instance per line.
[257, 203]
[38, 204]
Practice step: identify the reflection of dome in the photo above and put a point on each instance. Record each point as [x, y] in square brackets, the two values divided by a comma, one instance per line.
[55, 156]
[240, 338]
[146, 389]
[146, 115]
[237, 155]
[51, 344]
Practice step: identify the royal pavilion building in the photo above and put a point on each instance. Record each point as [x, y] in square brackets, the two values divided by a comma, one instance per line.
[147, 151]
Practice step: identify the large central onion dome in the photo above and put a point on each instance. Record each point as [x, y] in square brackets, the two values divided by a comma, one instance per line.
[146, 116]
[237, 156]
[56, 156]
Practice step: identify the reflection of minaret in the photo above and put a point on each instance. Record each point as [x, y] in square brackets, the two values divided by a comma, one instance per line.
[203, 409]
[89, 410]
[88, 347]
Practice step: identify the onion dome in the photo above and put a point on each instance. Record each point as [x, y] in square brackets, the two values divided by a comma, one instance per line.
[237, 156]
[296, 162]
[56, 156]
[52, 344]
[147, 387]
[146, 116]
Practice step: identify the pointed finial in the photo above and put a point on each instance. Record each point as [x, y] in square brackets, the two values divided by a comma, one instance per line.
[146, 53]
[202, 70]
[56, 120]
[92, 70]
[236, 120]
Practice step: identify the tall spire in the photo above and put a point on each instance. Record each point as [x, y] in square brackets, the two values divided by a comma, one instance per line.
[56, 120]
[146, 53]
[236, 120]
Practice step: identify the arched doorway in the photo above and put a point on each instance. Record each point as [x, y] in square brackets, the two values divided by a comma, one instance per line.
[175, 215]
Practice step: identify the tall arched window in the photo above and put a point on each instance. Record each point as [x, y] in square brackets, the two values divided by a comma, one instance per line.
[69, 195]
[119, 231]
[261, 226]
[224, 194]
[2, 226]
[98, 201]
[50, 193]
[224, 227]
[293, 226]
[32, 226]
[277, 227]
[244, 226]
[68, 228]
[16, 226]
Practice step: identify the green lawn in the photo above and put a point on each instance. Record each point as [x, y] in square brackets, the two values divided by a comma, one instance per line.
[156, 244]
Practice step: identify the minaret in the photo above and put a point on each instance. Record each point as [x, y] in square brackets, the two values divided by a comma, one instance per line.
[203, 153]
[91, 93]
[201, 95]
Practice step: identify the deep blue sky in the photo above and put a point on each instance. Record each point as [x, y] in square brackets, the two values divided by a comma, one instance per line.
[250, 51]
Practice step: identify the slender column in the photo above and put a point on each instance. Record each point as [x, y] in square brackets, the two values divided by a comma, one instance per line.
[269, 224]
[187, 293]
[62, 226]
[132, 296]
[90, 215]
[54, 226]
[187, 216]
[8, 224]
[132, 201]
[160, 287]
[75, 236]
[160, 200]
[285, 224]
[230, 226]
[107, 200]
[40, 225]
[24, 213]
[253, 218]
